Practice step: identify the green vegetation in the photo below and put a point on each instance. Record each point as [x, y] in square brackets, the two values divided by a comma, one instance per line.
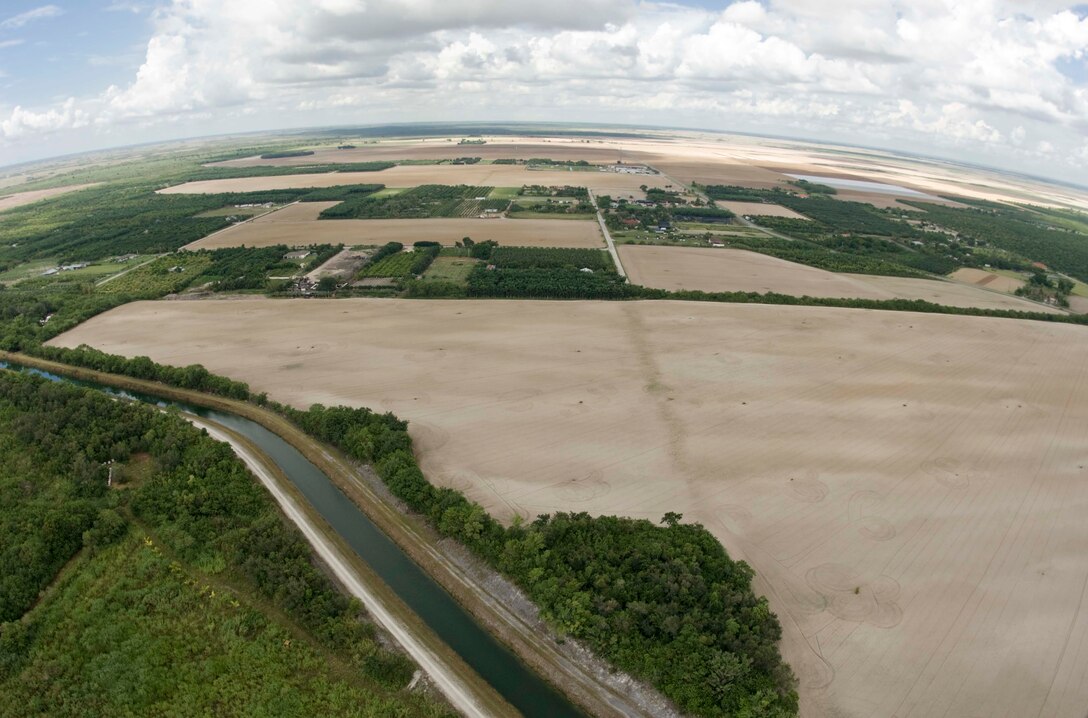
[1042, 288]
[666, 604]
[113, 220]
[285, 154]
[165, 275]
[420, 202]
[186, 592]
[545, 258]
[813, 187]
[35, 310]
[210, 173]
[450, 269]
[398, 264]
[538, 283]
[1023, 232]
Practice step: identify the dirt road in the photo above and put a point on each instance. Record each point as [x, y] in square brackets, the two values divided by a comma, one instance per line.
[459, 694]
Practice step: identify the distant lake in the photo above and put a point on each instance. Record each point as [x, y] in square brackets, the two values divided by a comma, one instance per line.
[863, 186]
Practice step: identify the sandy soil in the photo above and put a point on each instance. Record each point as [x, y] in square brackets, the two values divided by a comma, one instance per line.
[990, 280]
[1079, 304]
[20, 198]
[610, 183]
[719, 270]
[910, 489]
[709, 158]
[760, 209]
[298, 225]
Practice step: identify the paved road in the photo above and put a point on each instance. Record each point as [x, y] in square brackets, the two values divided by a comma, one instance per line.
[607, 237]
[458, 694]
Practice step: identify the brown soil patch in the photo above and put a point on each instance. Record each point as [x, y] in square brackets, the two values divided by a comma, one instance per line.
[20, 198]
[760, 209]
[909, 488]
[301, 227]
[737, 270]
[610, 183]
[990, 280]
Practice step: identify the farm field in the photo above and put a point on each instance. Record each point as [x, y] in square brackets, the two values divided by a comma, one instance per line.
[720, 270]
[990, 280]
[609, 183]
[931, 564]
[18, 199]
[760, 209]
[298, 225]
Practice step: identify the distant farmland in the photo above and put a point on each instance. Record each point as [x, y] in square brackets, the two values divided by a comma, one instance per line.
[416, 175]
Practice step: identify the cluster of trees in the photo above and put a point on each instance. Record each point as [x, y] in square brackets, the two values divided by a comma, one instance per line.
[286, 153]
[392, 262]
[194, 376]
[210, 173]
[1042, 288]
[665, 603]
[417, 203]
[732, 193]
[813, 187]
[537, 190]
[550, 206]
[1021, 231]
[551, 258]
[116, 219]
[207, 522]
[540, 283]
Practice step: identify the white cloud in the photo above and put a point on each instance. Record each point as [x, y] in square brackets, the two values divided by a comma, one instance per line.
[23, 122]
[967, 77]
[39, 13]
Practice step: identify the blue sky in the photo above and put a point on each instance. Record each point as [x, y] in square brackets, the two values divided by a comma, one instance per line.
[84, 45]
[997, 82]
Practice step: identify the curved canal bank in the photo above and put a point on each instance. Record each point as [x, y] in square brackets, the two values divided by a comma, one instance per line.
[342, 487]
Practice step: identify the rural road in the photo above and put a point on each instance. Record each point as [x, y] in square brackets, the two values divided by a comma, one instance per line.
[121, 274]
[607, 237]
[458, 694]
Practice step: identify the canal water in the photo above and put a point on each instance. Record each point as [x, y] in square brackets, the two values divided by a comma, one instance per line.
[515, 681]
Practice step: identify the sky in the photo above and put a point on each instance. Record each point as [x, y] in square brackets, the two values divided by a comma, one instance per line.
[992, 82]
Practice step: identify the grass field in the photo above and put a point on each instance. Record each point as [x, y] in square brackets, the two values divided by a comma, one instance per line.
[713, 269]
[909, 488]
[451, 269]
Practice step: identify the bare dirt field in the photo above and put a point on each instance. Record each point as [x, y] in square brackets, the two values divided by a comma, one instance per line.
[910, 488]
[760, 209]
[610, 183]
[709, 158]
[990, 280]
[522, 148]
[20, 198]
[738, 270]
[300, 227]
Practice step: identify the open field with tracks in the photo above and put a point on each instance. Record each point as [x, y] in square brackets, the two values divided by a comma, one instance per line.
[298, 225]
[738, 270]
[910, 489]
[990, 280]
